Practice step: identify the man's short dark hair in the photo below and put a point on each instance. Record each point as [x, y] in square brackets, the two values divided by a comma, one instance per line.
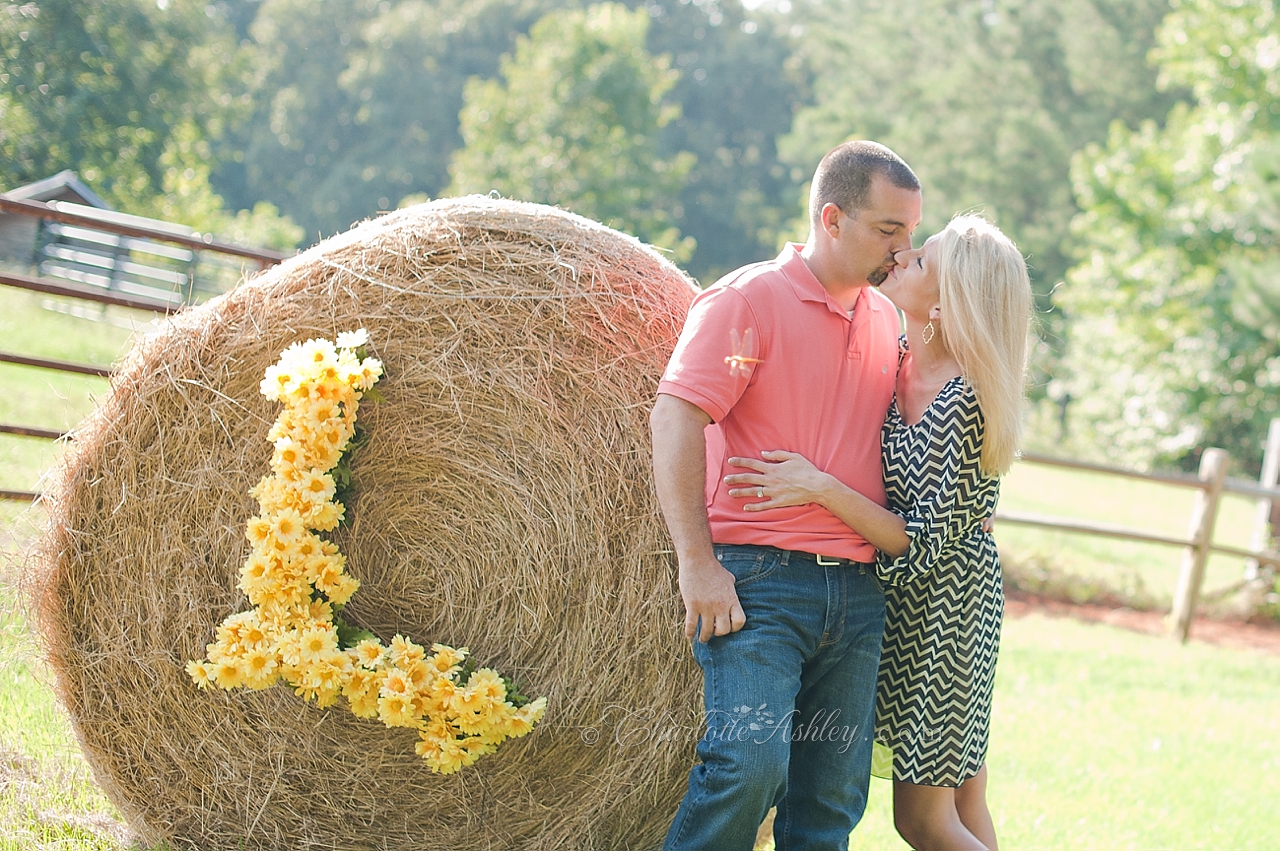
[844, 176]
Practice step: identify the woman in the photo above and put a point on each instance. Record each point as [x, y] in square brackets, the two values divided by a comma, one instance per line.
[951, 431]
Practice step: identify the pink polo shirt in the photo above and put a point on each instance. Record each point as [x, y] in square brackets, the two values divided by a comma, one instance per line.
[820, 385]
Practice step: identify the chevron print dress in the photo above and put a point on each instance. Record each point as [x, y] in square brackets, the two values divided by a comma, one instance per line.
[944, 602]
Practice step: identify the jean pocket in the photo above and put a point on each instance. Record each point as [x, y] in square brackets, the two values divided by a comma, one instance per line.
[747, 564]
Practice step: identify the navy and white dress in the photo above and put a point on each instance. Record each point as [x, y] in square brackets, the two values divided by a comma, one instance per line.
[944, 599]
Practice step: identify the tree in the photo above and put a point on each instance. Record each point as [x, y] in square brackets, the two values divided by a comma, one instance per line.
[987, 100]
[1174, 342]
[574, 122]
[356, 103]
[738, 91]
[356, 108]
[97, 86]
[128, 93]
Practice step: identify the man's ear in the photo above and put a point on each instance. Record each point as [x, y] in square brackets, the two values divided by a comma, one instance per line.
[831, 218]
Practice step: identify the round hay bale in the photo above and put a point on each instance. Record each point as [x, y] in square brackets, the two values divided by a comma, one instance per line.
[503, 502]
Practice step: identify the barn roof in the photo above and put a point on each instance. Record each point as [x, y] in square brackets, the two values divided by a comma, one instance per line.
[63, 186]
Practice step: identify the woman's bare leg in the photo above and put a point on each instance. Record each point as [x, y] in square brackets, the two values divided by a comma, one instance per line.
[926, 817]
[971, 805]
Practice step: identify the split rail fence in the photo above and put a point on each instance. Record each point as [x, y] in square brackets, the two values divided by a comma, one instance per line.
[1210, 485]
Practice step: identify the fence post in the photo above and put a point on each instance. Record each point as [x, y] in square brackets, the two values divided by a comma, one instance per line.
[1256, 579]
[1204, 512]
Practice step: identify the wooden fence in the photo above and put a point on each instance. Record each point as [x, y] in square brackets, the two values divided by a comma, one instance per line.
[107, 295]
[1210, 485]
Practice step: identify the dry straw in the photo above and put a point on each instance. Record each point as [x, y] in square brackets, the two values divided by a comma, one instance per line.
[503, 502]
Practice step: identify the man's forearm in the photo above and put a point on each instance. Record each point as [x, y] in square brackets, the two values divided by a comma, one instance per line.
[679, 474]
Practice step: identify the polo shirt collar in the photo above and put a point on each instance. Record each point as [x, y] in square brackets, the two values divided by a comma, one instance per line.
[808, 288]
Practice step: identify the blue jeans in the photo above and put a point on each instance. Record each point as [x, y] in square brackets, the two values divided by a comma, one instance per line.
[790, 703]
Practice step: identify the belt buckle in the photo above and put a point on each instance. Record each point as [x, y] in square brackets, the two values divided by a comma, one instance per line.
[824, 561]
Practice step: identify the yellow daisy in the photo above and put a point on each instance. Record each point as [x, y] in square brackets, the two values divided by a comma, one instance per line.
[404, 652]
[328, 516]
[396, 710]
[474, 722]
[287, 527]
[342, 591]
[361, 692]
[370, 372]
[254, 574]
[320, 611]
[289, 454]
[396, 682]
[352, 339]
[278, 381]
[316, 486]
[227, 674]
[316, 352]
[420, 675]
[453, 756]
[467, 702]
[329, 678]
[259, 669]
[309, 546]
[370, 653]
[328, 572]
[199, 671]
[428, 749]
[316, 643]
[446, 658]
[478, 746]
[258, 531]
[487, 683]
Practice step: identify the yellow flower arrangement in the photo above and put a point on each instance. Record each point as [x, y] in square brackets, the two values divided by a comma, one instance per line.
[296, 581]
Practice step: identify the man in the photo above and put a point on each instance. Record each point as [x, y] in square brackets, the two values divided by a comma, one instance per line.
[797, 353]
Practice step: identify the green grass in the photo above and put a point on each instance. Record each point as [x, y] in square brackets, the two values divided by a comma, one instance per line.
[44, 398]
[48, 798]
[1104, 739]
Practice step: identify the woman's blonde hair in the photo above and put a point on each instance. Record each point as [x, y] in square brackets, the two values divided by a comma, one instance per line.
[985, 297]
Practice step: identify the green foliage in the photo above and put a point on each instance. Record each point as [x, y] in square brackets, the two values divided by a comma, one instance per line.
[575, 122]
[98, 87]
[987, 100]
[738, 89]
[188, 197]
[356, 110]
[129, 94]
[355, 103]
[332, 111]
[1174, 340]
[348, 636]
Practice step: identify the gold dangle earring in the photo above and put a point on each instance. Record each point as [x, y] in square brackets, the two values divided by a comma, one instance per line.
[928, 333]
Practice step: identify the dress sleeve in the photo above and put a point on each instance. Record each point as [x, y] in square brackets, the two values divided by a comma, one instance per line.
[949, 475]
